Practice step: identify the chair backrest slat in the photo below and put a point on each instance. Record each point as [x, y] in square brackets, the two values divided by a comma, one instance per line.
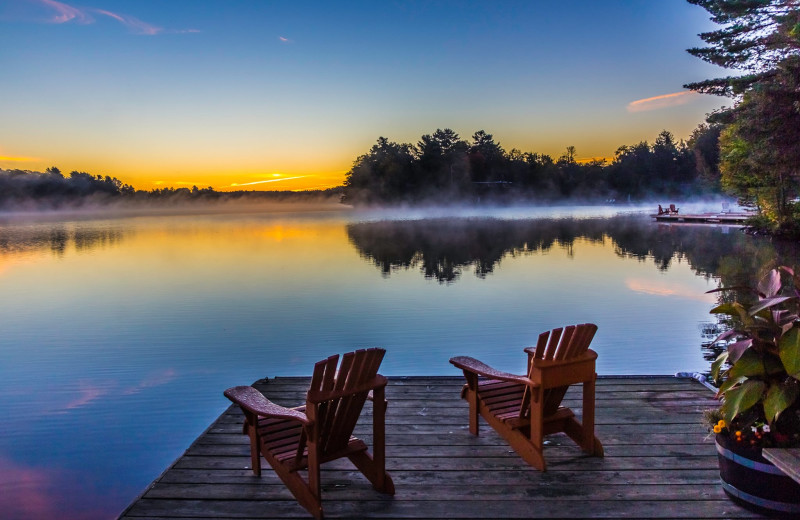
[336, 417]
[561, 344]
[552, 345]
[541, 345]
[581, 341]
[338, 406]
[562, 350]
[322, 380]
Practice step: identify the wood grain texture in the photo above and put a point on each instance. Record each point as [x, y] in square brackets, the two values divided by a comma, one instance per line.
[662, 466]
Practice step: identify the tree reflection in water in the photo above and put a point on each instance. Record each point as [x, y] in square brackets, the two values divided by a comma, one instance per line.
[57, 237]
[443, 248]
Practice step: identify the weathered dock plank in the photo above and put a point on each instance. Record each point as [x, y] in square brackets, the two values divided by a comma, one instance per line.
[659, 462]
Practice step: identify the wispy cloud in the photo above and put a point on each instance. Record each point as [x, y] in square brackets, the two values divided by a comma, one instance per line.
[134, 24]
[663, 101]
[17, 159]
[284, 40]
[64, 13]
[236, 184]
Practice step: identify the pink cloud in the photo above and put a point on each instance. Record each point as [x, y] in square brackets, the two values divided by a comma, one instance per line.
[662, 101]
[134, 24]
[66, 13]
[156, 379]
[49, 492]
[657, 288]
[88, 393]
[25, 491]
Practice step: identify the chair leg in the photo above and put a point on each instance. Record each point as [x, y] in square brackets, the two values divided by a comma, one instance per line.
[378, 476]
[314, 484]
[472, 399]
[588, 416]
[382, 480]
[537, 426]
[521, 444]
[583, 433]
[301, 489]
[250, 428]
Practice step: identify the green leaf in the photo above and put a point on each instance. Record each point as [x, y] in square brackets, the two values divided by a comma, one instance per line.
[742, 398]
[779, 398]
[748, 365]
[730, 383]
[773, 365]
[717, 365]
[789, 351]
[725, 308]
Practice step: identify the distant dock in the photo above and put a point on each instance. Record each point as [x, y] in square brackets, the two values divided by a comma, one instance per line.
[703, 218]
[659, 462]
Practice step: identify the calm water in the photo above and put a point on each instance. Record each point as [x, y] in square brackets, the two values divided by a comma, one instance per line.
[119, 335]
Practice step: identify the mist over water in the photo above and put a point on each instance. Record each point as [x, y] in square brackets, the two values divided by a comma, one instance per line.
[120, 334]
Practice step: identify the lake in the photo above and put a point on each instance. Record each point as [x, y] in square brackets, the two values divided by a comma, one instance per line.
[120, 334]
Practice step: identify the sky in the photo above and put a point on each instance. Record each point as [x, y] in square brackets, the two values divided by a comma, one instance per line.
[260, 94]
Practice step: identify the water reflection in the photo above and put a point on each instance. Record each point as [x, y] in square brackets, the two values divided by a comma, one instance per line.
[111, 326]
[442, 248]
[57, 237]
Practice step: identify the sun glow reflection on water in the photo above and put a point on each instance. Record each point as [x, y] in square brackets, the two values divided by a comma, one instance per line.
[120, 335]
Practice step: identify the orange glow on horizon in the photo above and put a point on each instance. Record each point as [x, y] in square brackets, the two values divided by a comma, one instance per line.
[5, 158]
[587, 160]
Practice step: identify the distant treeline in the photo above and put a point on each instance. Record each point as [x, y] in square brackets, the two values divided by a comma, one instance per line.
[26, 190]
[443, 167]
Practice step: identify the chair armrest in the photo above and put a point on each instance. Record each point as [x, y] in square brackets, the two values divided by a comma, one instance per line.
[470, 364]
[253, 401]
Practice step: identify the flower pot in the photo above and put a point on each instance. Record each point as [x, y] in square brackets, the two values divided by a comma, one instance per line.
[754, 481]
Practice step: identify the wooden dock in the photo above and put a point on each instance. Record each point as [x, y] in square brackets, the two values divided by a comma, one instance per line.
[704, 218]
[659, 462]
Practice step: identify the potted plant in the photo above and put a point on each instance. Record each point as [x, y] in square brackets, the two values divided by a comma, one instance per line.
[759, 386]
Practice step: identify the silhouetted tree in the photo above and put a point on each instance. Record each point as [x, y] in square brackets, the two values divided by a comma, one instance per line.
[486, 158]
[384, 174]
[704, 144]
[759, 148]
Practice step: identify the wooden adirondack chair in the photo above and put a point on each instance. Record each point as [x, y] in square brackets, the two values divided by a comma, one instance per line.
[523, 409]
[294, 439]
